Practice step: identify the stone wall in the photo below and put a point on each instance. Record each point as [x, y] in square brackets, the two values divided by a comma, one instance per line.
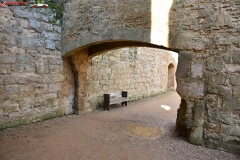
[143, 72]
[35, 82]
[207, 33]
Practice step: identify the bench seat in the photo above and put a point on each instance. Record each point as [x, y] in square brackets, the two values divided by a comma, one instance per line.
[114, 98]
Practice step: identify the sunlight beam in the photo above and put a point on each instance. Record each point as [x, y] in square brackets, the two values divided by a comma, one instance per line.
[160, 21]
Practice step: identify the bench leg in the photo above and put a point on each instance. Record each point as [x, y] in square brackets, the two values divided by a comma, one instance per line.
[106, 101]
[106, 106]
[124, 103]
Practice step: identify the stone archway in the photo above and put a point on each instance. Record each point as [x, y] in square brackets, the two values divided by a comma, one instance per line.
[171, 77]
[208, 69]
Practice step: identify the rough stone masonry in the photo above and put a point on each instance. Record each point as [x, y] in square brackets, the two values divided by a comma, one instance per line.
[204, 32]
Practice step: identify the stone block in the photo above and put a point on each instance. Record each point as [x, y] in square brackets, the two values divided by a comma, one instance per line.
[1, 80]
[25, 88]
[17, 68]
[24, 23]
[229, 117]
[215, 63]
[188, 41]
[230, 130]
[11, 108]
[236, 90]
[231, 102]
[50, 95]
[56, 78]
[28, 42]
[196, 136]
[236, 57]
[7, 58]
[42, 68]
[24, 59]
[55, 87]
[185, 56]
[190, 89]
[11, 89]
[235, 80]
[198, 113]
[48, 27]
[2, 90]
[55, 69]
[29, 67]
[196, 69]
[2, 49]
[57, 29]
[51, 36]
[233, 68]
[10, 79]
[183, 69]
[50, 44]
[34, 24]
[54, 61]
[5, 69]
[217, 78]
[16, 98]
[213, 127]
[221, 90]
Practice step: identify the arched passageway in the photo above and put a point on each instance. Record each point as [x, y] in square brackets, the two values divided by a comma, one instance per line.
[171, 77]
[204, 34]
[79, 60]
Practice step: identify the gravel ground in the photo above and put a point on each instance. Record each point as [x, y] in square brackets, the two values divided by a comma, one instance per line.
[144, 130]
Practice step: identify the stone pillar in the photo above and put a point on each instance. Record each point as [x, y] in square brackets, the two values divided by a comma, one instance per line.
[191, 87]
[79, 62]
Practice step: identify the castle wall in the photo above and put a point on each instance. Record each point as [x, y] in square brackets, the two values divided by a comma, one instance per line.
[36, 83]
[143, 72]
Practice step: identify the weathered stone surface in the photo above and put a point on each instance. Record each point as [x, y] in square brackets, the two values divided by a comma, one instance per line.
[204, 32]
[236, 91]
[5, 69]
[198, 113]
[196, 136]
[7, 58]
[34, 24]
[214, 63]
[217, 78]
[11, 108]
[197, 70]
[235, 80]
[231, 102]
[24, 59]
[11, 89]
[183, 69]
[221, 90]
[25, 70]
[233, 68]
[2, 49]
[130, 69]
[10, 79]
[190, 89]
[25, 88]
[2, 90]
[17, 68]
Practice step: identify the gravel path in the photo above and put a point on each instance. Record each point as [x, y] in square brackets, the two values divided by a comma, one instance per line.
[144, 130]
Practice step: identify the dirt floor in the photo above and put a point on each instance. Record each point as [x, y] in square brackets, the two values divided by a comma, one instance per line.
[144, 130]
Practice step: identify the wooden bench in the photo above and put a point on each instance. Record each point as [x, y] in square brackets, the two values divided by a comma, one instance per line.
[114, 98]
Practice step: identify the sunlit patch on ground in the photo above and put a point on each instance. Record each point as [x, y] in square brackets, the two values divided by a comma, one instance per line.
[166, 107]
[143, 131]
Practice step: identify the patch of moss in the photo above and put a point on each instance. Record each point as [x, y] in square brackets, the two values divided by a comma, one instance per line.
[56, 113]
[14, 123]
